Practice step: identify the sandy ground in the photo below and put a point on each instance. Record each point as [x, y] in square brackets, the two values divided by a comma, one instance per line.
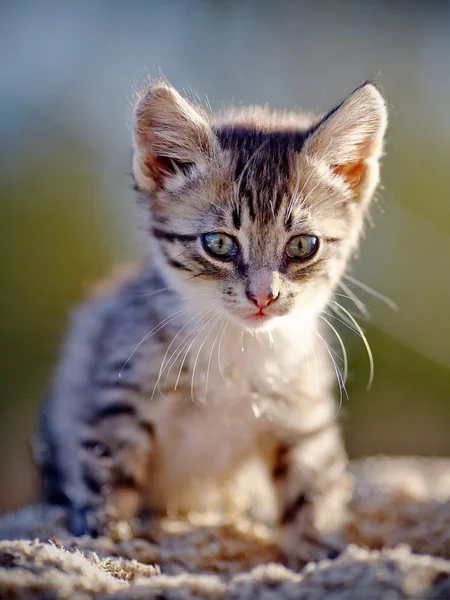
[399, 534]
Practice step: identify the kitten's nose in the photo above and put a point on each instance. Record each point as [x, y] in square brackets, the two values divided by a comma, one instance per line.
[262, 298]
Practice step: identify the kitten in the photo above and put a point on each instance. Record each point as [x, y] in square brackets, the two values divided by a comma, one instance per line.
[212, 352]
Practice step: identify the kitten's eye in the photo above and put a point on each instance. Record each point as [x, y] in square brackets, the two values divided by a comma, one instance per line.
[301, 247]
[220, 245]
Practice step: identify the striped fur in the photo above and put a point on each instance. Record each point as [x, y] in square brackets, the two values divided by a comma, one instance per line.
[169, 380]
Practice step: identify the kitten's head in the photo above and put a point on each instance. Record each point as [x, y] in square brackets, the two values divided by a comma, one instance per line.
[257, 212]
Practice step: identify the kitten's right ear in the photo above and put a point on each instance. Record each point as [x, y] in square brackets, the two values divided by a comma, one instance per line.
[169, 134]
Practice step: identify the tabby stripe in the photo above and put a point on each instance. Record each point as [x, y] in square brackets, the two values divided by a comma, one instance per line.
[289, 221]
[251, 209]
[177, 265]
[92, 483]
[308, 271]
[291, 511]
[209, 268]
[236, 218]
[119, 384]
[281, 465]
[242, 268]
[172, 236]
[174, 263]
[148, 427]
[126, 481]
[278, 201]
[114, 409]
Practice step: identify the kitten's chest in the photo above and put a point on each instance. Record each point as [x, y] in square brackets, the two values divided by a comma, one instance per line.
[225, 399]
[199, 445]
[209, 432]
[222, 402]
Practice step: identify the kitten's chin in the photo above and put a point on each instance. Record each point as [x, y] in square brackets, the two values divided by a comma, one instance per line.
[255, 323]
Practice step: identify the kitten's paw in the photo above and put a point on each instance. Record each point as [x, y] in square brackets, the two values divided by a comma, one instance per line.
[311, 549]
[87, 521]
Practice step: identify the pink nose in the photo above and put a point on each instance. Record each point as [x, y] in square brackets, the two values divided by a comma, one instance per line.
[262, 298]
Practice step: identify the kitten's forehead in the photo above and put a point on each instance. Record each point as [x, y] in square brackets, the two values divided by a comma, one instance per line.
[262, 165]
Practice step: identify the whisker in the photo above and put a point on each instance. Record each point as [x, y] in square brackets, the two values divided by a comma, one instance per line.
[308, 178]
[373, 292]
[352, 296]
[217, 318]
[337, 371]
[163, 363]
[152, 332]
[190, 346]
[366, 344]
[294, 196]
[307, 364]
[340, 320]
[311, 192]
[219, 348]
[198, 325]
[211, 353]
[341, 342]
[317, 368]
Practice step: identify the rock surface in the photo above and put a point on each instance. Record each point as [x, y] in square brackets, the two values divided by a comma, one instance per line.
[399, 534]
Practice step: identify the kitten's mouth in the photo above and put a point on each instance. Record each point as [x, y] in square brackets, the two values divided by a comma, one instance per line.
[259, 315]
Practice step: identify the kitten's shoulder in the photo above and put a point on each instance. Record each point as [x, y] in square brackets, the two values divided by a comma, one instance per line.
[121, 276]
[125, 293]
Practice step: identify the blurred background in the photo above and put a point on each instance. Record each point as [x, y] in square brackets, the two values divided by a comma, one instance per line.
[67, 212]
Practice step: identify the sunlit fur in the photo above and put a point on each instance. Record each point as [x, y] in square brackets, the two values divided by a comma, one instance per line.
[171, 378]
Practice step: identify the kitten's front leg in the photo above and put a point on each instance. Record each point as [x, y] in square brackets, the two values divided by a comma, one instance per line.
[313, 489]
[97, 467]
[115, 458]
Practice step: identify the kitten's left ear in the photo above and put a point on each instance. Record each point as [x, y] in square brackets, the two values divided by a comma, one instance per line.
[349, 140]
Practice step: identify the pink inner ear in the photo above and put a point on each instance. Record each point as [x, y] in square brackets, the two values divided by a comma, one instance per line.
[158, 167]
[353, 172]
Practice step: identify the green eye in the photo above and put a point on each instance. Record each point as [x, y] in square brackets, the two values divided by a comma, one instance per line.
[301, 247]
[220, 245]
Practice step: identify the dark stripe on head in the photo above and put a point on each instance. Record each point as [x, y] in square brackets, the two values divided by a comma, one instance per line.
[172, 236]
[262, 166]
[289, 221]
[247, 197]
[236, 218]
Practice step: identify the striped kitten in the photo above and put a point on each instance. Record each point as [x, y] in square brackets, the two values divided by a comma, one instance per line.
[212, 351]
